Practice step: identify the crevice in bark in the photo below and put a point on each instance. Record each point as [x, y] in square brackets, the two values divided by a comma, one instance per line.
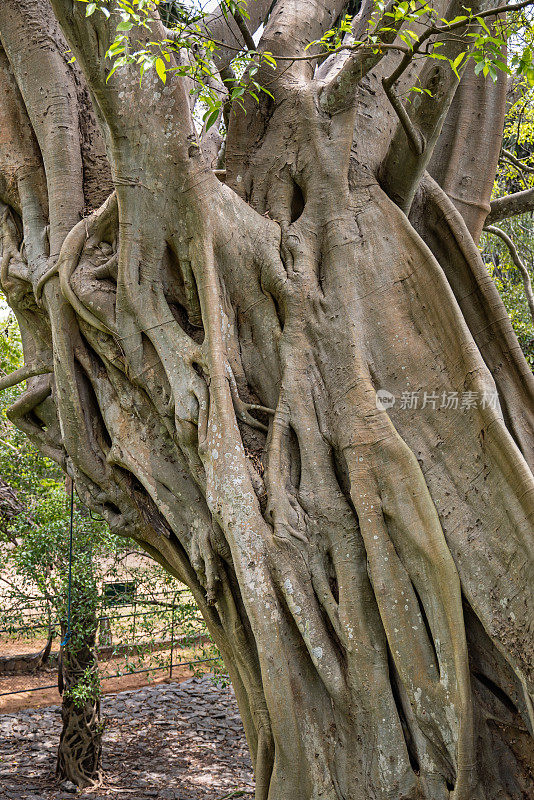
[295, 464]
[496, 690]
[399, 705]
[428, 629]
[333, 634]
[331, 574]
[111, 507]
[179, 313]
[278, 309]
[180, 286]
[339, 465]
[95, 420]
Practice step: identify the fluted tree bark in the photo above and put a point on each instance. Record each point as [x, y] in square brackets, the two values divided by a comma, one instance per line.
[215, 351]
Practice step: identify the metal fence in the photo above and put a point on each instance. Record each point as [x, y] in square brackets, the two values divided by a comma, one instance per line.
[132, 627]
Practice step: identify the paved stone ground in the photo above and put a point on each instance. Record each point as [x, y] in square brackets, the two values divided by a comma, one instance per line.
[177, 741]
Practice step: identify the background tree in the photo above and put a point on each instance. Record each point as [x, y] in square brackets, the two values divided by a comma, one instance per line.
[34, 553]
[507, 249]
[204, 357]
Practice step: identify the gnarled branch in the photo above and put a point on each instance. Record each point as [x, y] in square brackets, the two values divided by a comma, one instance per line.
[516, 161]
[25, 372]
[519, 263]
[339, 93]
[511, 205]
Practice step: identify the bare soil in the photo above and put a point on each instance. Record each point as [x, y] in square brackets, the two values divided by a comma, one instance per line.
[49, 697]
[35, 697]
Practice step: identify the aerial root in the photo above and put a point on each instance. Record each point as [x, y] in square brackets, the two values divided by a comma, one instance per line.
[10, 248]
[69, 257]
[243, 409]
[321, 587]
[20, 415]
[408, 554]
[286, 517]
[205, 563]
[264, 760]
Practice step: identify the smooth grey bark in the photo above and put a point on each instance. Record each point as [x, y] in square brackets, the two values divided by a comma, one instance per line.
[510, 205]
[217, 351]
[465, 172]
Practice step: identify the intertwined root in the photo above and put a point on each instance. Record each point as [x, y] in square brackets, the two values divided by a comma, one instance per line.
[348, 558]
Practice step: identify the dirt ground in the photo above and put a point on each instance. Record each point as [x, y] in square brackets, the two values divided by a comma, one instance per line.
[37, 698]
[175, 740]
[49, 697]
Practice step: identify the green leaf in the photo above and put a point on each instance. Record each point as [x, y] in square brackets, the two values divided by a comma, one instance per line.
[116, 47]
[457, 61]
[161, 69]
[146, 65]
[125, 25]
[91, 8]
[212, 118]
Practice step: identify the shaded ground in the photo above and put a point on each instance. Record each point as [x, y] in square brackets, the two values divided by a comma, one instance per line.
[180, 741]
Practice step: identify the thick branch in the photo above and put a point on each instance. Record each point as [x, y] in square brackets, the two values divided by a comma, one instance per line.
[22, 374]
[415, 137]
[516, 258]
[291, 27]
[339, 93]
[226, 29]
[20, 160]
[243, 29]
[124, 102]
[467, 174]
[511, 205]
[47, 85]
[421, 119]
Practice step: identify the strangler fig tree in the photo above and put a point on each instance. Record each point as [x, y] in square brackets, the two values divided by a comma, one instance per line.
[277, 361]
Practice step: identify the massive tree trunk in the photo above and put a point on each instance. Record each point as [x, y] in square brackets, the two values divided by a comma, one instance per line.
[206, 361]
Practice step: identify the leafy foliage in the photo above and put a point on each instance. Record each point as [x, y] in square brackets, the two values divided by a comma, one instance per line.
[516, 173]
[188, 51]
[486, 41]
